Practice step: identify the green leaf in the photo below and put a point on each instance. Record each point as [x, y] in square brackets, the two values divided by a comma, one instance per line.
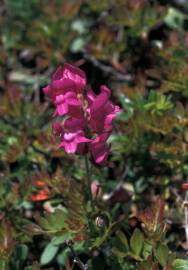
[59, 218]
[49, 253]
[162, 254]
[145, 266]
[77, 44]
[21, 252]
[80, 26]
[63, 256]
[121, 236]
[174, 18]
[147, 250]
[32, 229]
[58, 240]
[180, 265]
[43, 222]
[117, 244]
[137, 241]
[54, 221]
[118, 253]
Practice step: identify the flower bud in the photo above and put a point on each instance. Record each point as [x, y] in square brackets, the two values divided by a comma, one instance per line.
[99, 222]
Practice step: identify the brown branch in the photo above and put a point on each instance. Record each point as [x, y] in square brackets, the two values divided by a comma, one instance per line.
[76, 259]
[107, 69]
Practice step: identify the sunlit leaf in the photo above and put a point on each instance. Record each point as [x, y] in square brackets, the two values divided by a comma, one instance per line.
[49, 253]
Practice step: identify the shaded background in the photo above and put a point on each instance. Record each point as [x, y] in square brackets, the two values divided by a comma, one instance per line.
[136, 47]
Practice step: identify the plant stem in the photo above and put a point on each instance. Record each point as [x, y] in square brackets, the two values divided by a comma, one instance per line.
[76, 258]
[186, 217]
[3, 265]
[88, 177]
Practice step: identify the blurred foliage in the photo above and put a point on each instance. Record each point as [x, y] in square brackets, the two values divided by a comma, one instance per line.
[139, 49]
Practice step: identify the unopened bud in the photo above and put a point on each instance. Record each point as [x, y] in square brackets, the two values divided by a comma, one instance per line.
[96, 189]
[99, 222]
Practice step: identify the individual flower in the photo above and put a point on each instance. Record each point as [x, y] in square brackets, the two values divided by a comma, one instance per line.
[71, 140]
[70, 136]
[66, 102]
[101, 110]
[96, 189]
[99, 150]
[75, 75]
[68, 78]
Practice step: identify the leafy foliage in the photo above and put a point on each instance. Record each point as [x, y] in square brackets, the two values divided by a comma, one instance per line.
[139, 49]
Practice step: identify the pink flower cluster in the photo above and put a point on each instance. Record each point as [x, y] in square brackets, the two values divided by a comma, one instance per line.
[87, 117]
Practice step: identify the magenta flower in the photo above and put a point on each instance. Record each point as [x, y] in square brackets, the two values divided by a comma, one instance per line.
[67, 102]
[87, 117]
[71, 140]
[101, 110]
[73, 124]
[69, 78]
[99, 150]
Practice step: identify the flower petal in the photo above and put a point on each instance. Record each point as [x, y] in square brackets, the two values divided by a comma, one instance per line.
[76, 75]
[101, 99]
[62, 86]
[70, 148]
[61, 109]
[58, 74]
[98, 148]
[74, 124]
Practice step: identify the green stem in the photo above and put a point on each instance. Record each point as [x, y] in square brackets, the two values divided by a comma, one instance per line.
[88, 177]
[3, 265]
